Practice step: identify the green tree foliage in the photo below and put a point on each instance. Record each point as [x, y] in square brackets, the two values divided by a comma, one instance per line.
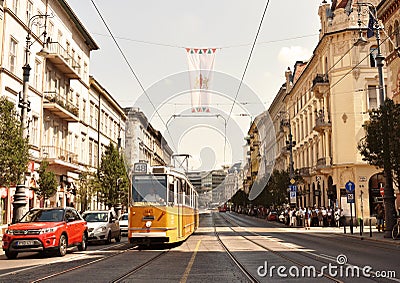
[371, 146]
[14, 149]
[86, 186]
[112, 169]
[47, 182]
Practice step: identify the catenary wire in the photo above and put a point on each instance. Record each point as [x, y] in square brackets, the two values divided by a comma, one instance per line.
[133, 71]
[248, 60]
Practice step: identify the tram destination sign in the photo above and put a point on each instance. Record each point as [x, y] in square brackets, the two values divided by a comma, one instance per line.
[140, 167]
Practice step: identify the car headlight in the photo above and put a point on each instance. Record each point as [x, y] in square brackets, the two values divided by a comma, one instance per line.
[48, 230]
[102, 228]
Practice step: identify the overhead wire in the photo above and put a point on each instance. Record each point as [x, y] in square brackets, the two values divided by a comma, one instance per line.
[132, 71]
[248, 60]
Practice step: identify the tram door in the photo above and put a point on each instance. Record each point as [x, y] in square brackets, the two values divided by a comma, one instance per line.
[178, 189]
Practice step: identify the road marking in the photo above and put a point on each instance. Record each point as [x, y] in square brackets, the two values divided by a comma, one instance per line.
[190, 264]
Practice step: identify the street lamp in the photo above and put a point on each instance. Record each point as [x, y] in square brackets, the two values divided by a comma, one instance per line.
[290, 143]
[19, 196]
[374, 30]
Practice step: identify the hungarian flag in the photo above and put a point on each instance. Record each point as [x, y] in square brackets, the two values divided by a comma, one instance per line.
[371, 24]
[201, 66]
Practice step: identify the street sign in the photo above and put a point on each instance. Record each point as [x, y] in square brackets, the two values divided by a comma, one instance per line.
[292, 197]
[350, 187]
[292, 181]
[350, 198]
[293, 188]
[382, 191]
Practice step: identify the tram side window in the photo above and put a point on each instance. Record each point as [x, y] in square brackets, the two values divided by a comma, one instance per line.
[171, 194]
[187, 194]
[180, 199]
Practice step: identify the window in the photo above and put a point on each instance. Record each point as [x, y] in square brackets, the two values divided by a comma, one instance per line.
[83, 149]
[91, 152]
[391, 37]
[37, 74]
[373, 51]
[50, 30]
[29, 10]
[84, 110]
[34, 131]
[13, 55]
[85, 70]
[15, 6]
[397, 33]
[91, 114]
[96, 154]
[96, 117]
[372, 97]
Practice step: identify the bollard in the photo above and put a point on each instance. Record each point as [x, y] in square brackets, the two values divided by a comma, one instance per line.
[344, 226]
[361, 226]
[370, 228]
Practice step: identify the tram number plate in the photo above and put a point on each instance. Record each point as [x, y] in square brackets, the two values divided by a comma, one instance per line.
[25, 243]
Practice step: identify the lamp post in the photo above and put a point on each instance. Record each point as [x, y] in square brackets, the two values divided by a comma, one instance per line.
[290, 143]
[374, 30]
[19, 196]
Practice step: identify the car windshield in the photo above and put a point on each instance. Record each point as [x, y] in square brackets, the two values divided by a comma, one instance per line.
[44, 215]
[96, 217]
[124, 217]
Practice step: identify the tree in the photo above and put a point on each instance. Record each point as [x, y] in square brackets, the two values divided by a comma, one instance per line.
[379, 148]
[47, 182]
[86, 183]
[14, 149]
[112, 178]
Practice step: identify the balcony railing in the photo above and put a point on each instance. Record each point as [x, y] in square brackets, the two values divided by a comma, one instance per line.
[63, 60]
[60, 106]
[53, 152]
[320, 85]
[305, 171]
[320, 122]
[323, 162]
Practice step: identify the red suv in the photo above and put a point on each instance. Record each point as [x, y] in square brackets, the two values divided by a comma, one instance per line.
[44, 229]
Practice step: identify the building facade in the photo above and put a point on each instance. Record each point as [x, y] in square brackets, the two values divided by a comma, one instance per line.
[327, 100]
[143, 143]
[389, 13]
[71, 118]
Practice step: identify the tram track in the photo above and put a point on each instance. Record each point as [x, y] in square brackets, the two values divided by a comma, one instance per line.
[309, 255]
[275, 252]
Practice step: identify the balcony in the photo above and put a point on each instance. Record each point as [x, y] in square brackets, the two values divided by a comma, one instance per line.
[62, 60]
[59, 156]
[320, 123]
[323, 163]
[304, 172]
[60, 107]
[320, 85]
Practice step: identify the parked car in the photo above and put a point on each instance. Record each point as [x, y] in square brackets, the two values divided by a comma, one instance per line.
[45, 229]
[103, 225]
[123, 224]
[272, 216]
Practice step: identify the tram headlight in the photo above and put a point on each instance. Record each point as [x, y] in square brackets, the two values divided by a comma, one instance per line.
[148, 224]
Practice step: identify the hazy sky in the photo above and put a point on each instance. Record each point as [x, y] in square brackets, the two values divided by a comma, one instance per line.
[289, 33]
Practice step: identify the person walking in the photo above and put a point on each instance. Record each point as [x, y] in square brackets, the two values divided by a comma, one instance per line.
[380, 215]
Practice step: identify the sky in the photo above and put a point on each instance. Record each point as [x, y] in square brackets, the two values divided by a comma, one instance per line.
[153, 36]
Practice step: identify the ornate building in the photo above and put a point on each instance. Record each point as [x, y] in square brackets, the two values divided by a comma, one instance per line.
[327, 99]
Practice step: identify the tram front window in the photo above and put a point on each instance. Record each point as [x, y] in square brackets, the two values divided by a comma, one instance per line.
[149, 189]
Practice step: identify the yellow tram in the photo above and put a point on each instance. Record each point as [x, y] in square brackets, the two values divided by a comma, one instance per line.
[163, 205]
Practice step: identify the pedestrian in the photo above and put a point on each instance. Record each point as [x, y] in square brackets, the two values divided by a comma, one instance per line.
[380, 215]
[307, 218]
[337, 217]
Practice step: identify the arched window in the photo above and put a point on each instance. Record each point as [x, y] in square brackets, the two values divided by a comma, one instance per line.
[396, 33]
[373, 51]
[391, 37]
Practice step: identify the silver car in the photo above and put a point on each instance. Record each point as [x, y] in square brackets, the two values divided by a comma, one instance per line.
[103, 225]
[123, 224]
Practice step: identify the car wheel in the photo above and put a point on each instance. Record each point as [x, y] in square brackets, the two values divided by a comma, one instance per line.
[83, 244]
[118, 238]
[108, 241]
[11, 255]
[62, 246]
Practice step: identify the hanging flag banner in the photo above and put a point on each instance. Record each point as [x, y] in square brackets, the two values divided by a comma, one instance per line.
[201, 66]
